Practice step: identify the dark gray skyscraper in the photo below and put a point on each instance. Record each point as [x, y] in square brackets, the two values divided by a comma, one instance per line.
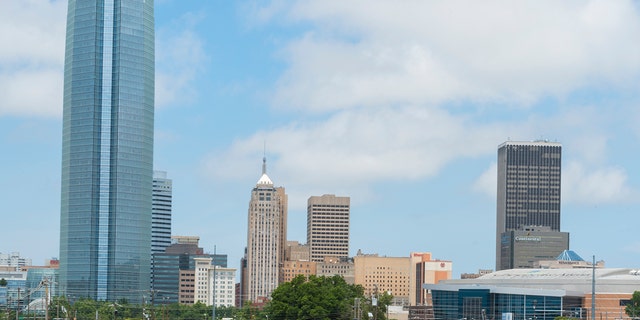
[107, 149]
[528, 188]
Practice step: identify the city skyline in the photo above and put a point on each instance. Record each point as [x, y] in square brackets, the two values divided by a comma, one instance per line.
[401, 108]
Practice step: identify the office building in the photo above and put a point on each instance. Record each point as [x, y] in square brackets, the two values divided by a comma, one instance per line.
[526, 248]
[174, 270]
[13, 259]
[297, 252]
[334, 266]
[266, 238]
[292, 269]
[528, 188]
[161, 212]
[427, 270]
[214, 282]
[385, 274]
[328, 226]
[107, 150]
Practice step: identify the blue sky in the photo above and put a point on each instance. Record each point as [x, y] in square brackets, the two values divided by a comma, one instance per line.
[400, 106]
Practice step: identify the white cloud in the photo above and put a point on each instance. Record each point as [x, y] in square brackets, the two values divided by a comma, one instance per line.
[378, 52]
[353, 150]
[31, 57]
[581, 184]
[586, 185]
[180, 57]
[487, 182]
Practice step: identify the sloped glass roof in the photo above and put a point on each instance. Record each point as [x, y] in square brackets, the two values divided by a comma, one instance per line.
[569, 255]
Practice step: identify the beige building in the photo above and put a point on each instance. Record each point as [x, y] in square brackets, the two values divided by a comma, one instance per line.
[297, 252]
[402, 277]
[328, 226]
[385, 274]
[292, 269]
[266, 238]
[187, 282]
[332, 266]
[427, 271]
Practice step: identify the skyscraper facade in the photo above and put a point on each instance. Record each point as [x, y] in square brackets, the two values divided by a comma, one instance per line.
[107, 149]
[266, 238]
[328, 226]
[528, 188]
[161, 212]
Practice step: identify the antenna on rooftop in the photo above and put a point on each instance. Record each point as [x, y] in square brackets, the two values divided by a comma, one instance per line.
[264, 157]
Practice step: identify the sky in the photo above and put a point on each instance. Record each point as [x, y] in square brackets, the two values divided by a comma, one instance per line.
[399, 105]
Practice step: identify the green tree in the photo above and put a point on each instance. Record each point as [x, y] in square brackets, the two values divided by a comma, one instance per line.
[633, 308]
[3, 282]
[379, 311]
[321, 298]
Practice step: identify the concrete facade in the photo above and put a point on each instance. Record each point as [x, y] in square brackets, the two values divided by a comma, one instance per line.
[328, 226]
[385, 274]
[266, 238]
[292, 269]
[210, 279]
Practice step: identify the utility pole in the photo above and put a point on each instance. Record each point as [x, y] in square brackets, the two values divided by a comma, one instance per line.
[213, 264]
[18, 309]
[593, 289]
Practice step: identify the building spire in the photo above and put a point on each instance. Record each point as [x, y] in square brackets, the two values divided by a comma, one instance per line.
[264, 158]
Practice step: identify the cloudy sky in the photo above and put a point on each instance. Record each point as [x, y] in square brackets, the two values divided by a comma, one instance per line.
[399, 105]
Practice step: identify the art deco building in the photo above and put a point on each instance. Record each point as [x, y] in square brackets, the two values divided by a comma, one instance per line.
[328, 226]
[266, 238]
[107, 150]
[528, 189]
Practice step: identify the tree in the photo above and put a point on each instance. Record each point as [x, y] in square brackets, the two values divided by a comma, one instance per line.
[380, 310]
[3, 282]
[633, 308]
[320, 298]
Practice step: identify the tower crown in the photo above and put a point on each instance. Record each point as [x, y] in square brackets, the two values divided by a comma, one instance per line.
[264, 179]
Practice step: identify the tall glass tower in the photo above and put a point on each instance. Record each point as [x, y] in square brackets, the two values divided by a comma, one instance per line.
[107, 150]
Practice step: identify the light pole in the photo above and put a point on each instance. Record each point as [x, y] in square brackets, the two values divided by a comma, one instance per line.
[213, 264]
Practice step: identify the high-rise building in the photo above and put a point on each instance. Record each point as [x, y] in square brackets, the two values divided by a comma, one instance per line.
[174, 270]
[328, 226]
[266, 238]
[161, 212]
[107, 150]
[528, 189]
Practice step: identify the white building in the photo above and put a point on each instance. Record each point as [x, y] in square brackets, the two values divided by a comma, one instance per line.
[216, 279]
[13, 259]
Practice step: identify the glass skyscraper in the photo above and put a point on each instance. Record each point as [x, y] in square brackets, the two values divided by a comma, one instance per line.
[107, 150]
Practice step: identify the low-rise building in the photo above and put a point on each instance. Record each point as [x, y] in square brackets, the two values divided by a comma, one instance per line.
[540, 294]
[214, 284]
